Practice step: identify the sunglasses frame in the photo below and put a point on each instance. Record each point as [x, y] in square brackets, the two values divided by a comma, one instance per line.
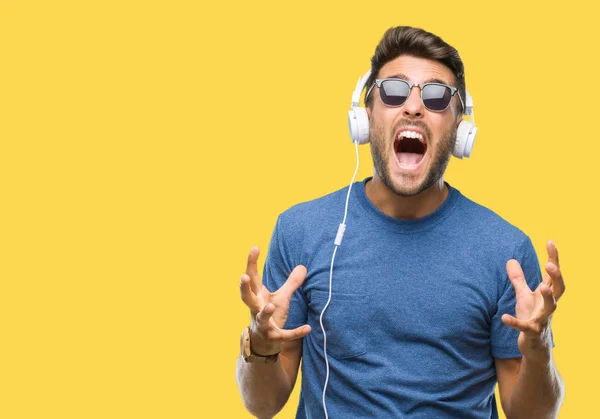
[453, 91]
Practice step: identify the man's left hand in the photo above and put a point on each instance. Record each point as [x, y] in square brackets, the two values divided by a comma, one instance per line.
[535, 308]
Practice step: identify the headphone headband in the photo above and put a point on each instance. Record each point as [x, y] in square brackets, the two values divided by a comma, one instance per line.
[360, 85]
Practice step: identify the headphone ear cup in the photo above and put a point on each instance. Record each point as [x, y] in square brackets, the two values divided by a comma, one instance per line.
[465, 139]
[358, 123]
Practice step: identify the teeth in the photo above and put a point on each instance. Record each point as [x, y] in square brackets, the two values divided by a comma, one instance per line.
[410, 134]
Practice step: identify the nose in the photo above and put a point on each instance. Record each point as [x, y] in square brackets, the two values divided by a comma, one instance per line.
[413, 107]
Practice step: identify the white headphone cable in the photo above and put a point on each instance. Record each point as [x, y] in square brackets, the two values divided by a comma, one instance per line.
[337, 242]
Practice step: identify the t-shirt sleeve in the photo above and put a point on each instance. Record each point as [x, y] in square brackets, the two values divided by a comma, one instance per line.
[504, 338]
[278, 266]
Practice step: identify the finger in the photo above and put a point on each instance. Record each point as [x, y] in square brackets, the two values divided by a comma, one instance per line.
[556, 280]
[263, 316]
[549, 303]
[248, 296]
[552, 253]
[275, 335]
[516, 276]
[294, 281]
[547, 279]
[520, 325]
[252, 269]
[296, 333]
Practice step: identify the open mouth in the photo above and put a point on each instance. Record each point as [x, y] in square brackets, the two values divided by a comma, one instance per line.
[410, 148]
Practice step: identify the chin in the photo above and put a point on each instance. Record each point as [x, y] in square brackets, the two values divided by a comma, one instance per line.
[406, 184]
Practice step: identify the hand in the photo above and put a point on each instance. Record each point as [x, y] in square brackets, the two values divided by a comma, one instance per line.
[269, 311]
[535, 308]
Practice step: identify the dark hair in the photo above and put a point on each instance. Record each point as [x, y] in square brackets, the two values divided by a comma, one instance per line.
[406, 40]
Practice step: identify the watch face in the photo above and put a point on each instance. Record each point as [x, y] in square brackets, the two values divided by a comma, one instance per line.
[245, 344]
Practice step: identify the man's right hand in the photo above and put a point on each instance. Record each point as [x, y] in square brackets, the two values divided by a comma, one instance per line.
[268, 310]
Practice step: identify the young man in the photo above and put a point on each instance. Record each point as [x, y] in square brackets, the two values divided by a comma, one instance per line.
[418, 323]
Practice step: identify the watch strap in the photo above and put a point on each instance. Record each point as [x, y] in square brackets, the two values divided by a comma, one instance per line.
[254, 357]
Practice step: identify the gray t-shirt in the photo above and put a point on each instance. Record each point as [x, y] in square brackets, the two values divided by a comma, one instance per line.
[414, 322]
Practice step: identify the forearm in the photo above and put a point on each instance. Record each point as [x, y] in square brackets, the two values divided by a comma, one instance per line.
[265, 388]
[539, 390]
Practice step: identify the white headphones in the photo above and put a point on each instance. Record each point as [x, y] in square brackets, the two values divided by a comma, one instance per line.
[358, 123]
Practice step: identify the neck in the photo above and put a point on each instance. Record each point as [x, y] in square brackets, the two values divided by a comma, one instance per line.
[405, 207]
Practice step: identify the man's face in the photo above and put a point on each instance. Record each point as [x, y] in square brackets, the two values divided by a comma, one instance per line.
[408, 166]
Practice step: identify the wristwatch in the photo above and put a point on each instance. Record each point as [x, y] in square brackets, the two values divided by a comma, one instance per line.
[247, 353]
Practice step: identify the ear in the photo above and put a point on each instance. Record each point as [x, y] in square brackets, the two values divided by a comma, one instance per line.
[458, 120]
[368, 112]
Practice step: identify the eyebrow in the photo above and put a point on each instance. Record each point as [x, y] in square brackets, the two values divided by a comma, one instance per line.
[404, 77]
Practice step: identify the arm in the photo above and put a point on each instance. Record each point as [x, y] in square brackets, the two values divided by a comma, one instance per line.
[530, 387]
[266, 387]
[520, 381]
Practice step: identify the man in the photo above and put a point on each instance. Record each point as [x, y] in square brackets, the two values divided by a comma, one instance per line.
[417, 325]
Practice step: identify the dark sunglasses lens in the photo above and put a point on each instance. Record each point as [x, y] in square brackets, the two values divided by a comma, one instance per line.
[436, 97]
[394, 92]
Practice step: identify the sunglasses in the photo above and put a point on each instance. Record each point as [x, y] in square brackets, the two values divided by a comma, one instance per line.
[435, 96]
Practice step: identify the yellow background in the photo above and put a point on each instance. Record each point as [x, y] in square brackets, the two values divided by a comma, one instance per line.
[146, 146]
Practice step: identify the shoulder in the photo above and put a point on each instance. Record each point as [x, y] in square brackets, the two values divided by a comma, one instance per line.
[493, 240]
[485, 225]
[314, 212]
[302, 228]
